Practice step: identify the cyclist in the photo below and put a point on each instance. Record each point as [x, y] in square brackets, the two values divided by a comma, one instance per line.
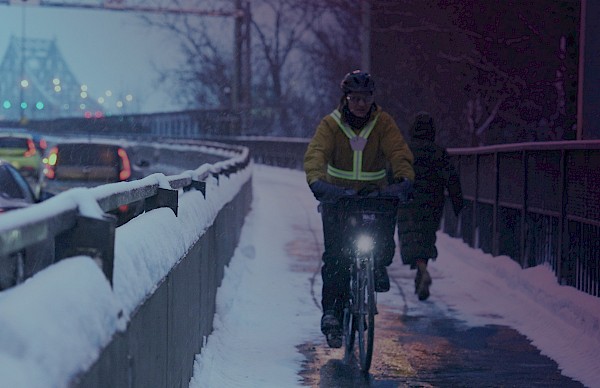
[349, 153]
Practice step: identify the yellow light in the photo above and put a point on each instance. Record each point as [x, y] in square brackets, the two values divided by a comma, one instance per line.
[57, 88]
[108, 93]
[56, 81]
[101, 100]
[129, 97]
[119, 104]
[84, 88]
[24, 83]
[83, 94]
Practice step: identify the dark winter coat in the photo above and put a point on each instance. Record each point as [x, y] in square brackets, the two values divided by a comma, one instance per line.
[419, 221]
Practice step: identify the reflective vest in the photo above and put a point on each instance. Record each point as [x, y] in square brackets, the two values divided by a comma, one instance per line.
[357, 143]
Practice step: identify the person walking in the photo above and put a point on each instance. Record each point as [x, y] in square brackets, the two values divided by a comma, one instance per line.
[419, 220]
[349, 153]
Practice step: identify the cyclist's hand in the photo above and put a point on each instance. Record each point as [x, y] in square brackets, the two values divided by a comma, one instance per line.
[329, 193]
[401, 188]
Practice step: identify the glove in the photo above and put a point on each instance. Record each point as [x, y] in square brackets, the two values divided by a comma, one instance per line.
[401, 188]
[328, 193]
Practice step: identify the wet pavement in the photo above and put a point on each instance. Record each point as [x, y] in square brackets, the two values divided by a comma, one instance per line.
[413, 349]
[437, 352]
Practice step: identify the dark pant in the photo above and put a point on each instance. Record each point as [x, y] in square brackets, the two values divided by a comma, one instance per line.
[335, 271]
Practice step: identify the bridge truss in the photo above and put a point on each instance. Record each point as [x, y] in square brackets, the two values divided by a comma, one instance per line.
[37, 83]
[38, 59]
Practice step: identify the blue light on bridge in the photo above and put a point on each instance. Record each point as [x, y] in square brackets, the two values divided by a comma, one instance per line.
[23, 105]
[6, 104]
[39, 105]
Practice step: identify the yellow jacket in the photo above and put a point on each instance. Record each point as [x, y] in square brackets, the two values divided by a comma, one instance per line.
[330, 149]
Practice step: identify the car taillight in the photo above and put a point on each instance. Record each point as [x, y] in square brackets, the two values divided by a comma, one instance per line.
[50, 163]
[125, 172]
[30, 149]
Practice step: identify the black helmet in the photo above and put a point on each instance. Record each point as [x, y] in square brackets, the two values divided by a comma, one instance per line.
[357, 81]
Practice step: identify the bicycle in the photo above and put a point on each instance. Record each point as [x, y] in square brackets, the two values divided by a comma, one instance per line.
[363, 217]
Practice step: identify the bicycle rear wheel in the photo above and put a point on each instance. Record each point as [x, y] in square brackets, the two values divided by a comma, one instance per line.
[366, 308]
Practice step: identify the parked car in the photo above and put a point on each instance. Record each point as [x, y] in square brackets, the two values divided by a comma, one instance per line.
[88, 164]
[20, 150]
[15, 193]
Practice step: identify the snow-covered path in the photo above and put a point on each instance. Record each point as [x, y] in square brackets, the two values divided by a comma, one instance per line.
[265, 309]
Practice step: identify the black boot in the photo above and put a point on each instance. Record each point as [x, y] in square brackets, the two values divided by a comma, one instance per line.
[330, 326]
[382, 280]
[422, 283]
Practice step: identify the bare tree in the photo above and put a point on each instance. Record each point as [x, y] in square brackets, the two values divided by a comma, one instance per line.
[278, 29]
[281, 27]
[489, 71]
[204, 81]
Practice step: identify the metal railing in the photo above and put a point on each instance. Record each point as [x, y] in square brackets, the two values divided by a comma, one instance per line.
[536, 203]
[63, 231]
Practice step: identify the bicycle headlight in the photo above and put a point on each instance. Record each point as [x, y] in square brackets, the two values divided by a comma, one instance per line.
[364, 243]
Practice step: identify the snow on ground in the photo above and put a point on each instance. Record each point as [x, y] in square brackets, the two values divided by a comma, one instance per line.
[265, 310]
[264, 307]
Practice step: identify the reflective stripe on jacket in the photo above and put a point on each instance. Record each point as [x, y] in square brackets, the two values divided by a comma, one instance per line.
[330, 151]
[356, 173]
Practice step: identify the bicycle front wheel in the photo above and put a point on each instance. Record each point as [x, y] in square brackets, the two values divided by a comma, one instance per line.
[366, 317]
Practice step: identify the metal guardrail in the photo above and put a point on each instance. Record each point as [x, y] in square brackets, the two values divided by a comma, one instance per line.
[62, 228]
[536, 203]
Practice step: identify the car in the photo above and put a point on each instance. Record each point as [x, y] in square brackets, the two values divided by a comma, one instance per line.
[40, 142]
[15, 192]
[20, 150]
[71, 164]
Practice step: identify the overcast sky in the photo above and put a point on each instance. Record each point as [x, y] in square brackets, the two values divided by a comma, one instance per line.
[107, 50]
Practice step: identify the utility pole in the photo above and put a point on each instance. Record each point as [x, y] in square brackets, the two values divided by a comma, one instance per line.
[240, 88]
[365, 35]
[246, 64]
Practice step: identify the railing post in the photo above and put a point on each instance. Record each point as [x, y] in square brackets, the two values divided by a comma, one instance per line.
[495, 237]
[563, 249]
[197, 185]
[163, 198]
[475, 231]
[523, 234]
[92, 237]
